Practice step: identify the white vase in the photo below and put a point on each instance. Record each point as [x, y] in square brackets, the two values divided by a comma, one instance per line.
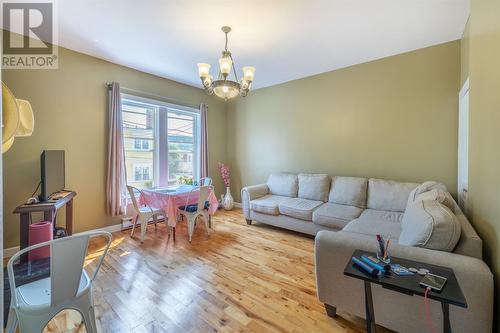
[228, 202]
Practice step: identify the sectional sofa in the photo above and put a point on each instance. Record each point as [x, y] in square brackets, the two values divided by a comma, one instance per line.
[345, 213]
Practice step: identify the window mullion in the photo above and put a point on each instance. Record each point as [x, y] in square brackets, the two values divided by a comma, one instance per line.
[163, 146]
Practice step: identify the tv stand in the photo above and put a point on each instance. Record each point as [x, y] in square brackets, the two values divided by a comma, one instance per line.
[49, 209]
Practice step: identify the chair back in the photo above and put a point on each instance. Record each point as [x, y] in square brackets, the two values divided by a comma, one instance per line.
[203, 197]
[67, 256]
[203, 192]
[206, 181]
[131, 192]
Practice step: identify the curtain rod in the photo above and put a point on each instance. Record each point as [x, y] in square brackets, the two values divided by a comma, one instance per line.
[147, 94]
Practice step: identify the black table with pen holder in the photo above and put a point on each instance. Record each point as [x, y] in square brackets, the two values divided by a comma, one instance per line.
[408, 284]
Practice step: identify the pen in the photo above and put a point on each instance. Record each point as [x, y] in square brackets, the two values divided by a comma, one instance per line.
[381, 244]
[387, 248]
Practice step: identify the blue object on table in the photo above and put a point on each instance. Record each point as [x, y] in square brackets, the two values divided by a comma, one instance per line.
[400, 270]
[381, 267]
[365, 267]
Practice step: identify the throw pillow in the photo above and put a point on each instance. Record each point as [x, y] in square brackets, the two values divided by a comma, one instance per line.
[430, 224]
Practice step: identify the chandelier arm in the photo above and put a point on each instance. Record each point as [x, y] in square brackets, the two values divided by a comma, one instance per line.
[234, 69]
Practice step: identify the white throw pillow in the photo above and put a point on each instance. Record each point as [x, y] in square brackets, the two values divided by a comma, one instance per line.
[388, 194]
[430, 224]
[284, 184]
[349, 191]
[314, 186]
[424, 187]
[438, 195]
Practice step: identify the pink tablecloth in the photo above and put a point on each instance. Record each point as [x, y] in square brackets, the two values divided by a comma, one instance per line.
[170, 201]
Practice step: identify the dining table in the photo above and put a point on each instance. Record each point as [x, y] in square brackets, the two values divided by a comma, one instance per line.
[170, 198]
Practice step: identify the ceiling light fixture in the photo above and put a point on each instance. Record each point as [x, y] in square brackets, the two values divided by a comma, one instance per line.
[223, 87]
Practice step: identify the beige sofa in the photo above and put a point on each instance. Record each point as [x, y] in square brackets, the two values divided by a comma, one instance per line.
[345, 213]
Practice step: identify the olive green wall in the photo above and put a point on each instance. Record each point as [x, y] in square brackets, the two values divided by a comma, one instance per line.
[70, 106]
[392, 118]
[484, 129]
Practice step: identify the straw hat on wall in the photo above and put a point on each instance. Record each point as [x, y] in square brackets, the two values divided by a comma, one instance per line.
[17, 118]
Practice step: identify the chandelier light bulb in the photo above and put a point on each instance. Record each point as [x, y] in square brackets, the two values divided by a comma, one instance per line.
[248, 73]
[225, 64]
[203, 70]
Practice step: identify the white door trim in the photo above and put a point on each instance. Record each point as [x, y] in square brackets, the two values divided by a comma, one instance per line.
[463, 146]
[464, 90]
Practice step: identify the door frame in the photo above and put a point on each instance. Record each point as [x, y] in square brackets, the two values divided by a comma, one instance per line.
[463, 161]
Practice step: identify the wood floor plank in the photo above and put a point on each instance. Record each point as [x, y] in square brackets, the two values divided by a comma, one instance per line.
[241, 278]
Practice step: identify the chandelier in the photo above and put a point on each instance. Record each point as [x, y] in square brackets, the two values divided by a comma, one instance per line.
[223, 87]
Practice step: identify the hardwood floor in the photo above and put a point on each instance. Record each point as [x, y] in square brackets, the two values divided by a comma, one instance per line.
[240, 279]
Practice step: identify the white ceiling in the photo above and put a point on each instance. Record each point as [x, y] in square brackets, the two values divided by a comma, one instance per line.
[283, 39]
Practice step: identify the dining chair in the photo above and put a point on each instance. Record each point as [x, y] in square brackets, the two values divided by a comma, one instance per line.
[69, 286]
[206, 181]
[144, 213]
[193, 211]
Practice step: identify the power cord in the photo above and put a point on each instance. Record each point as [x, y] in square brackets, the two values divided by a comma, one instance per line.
[428, 310]
[36, 189]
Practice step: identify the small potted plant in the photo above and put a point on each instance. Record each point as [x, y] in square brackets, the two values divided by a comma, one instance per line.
[227, 201]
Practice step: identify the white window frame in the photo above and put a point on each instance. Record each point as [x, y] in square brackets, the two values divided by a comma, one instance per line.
[162, 109]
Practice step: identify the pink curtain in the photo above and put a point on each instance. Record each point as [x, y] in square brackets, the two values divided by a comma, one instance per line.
[204, 141]
[116, 178]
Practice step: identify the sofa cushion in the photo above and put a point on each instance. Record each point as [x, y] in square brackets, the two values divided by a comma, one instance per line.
[314, 186]
[373, 215]
[388, 194]
[334, 215]
[299, 208]
[430, 224]
[349, 191]
[425, 187]
[267, 204]
[385, 228]
[285, 184]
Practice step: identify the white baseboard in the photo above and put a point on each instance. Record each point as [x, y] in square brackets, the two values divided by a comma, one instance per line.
[9, 252]
[111, 228]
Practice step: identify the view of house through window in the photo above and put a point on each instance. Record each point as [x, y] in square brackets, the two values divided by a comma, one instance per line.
[161, 142]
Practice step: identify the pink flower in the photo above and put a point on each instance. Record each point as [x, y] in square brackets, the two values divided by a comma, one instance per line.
[224, 173]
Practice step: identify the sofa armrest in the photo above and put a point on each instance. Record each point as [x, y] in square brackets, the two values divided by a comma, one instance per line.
[333, 251]
[249, 193]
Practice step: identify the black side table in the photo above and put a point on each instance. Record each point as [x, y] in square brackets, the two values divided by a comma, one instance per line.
[451, 293]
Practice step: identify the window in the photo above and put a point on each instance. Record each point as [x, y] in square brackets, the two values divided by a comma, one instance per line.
[181, 146]
[139, 133]
[142, 172]
[161, 141]
[141, 144]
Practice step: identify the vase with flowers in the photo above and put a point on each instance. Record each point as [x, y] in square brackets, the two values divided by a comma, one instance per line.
[227, 201]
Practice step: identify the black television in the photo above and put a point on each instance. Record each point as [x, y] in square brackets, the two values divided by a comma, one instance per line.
[52, 173]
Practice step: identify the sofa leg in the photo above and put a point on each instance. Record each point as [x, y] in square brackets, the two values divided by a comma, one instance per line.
[331, 311]
[249, 221]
